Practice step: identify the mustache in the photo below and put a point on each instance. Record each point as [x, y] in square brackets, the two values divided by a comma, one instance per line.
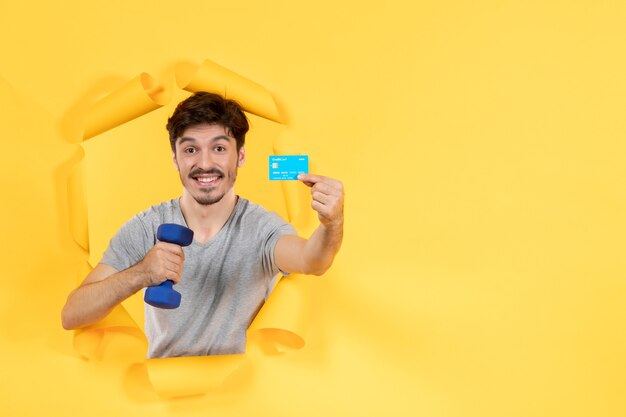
[199, 171]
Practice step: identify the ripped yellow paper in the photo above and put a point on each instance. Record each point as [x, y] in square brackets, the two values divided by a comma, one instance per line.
[138, 97]
[279, 325]
[191, 375]
[214, 78]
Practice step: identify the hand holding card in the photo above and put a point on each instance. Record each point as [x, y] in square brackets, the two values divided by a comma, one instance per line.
[327, 194]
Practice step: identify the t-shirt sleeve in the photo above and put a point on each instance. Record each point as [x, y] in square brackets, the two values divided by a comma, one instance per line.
[129, 245]
[276, 228]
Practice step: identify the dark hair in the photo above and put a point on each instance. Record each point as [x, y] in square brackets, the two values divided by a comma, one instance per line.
[203, 107]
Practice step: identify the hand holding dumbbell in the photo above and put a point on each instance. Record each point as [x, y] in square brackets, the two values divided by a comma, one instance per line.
[163, 295]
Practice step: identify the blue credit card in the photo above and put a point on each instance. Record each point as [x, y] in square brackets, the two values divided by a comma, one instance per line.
[287, 167]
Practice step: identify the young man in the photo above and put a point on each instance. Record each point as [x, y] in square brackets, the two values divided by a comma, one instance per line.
[229, 270]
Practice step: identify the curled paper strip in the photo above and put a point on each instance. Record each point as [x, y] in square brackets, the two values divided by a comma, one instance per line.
[214, 78]
[280, 323]
[117, 338]
[140, 96]
[273, 324]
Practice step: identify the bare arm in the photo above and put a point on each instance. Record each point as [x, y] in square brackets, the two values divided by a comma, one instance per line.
[105, 287]
[315, 255]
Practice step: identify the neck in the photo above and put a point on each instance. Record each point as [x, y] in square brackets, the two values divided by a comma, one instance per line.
[207, 220]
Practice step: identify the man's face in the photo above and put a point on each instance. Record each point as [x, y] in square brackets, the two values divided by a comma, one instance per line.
[206, 158]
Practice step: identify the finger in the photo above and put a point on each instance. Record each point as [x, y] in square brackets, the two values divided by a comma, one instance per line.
[174, 277]
[173, 272]
[330, 184]
[173, 253]
[321, 197]
[171, 248]
[169, 257]
[327, 189]
[337, 185]
[321, 209]
[173, 265]
[315, 181]
[310, 179]
[308, 184]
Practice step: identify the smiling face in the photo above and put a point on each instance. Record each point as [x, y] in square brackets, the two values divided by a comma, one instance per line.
[207, 159]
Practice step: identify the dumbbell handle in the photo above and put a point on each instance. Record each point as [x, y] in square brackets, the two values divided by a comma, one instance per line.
[163, 295]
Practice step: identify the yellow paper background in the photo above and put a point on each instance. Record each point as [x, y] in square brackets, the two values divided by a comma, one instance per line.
[481, 144]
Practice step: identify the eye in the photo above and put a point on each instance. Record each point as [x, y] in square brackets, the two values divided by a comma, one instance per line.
[190, 149]
[220, 148]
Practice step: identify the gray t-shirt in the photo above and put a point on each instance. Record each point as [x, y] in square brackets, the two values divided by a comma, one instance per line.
[225, 281]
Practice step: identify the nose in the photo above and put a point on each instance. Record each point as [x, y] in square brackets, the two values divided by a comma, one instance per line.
[205, 161]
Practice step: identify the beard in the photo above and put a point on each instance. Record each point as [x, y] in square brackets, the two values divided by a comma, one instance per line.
[210, 195]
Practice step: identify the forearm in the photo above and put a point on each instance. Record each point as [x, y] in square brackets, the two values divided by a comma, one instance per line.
[315, 255]
[91, 302]
[320, 249]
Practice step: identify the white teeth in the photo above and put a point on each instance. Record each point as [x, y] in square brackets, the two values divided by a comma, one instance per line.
[207, 180]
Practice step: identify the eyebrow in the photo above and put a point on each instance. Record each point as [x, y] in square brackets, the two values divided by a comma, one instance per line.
[191, 139]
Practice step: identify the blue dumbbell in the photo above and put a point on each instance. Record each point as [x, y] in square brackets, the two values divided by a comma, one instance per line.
[163, 295]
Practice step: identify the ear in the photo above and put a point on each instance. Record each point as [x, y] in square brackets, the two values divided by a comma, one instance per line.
[242, 157]
[175, 161]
